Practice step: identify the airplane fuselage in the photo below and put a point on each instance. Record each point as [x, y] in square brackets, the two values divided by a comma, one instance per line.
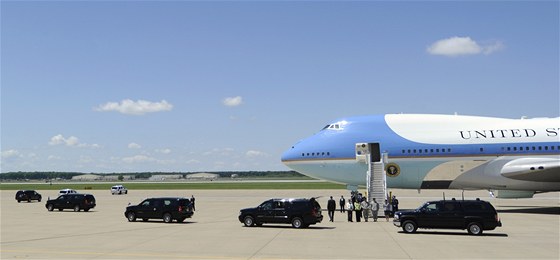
[437, 151]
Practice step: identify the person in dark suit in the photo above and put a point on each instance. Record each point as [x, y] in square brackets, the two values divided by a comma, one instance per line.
[331, 207]
[342, 203]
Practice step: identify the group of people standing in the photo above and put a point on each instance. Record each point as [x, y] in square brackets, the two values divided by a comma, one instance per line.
[359, 206]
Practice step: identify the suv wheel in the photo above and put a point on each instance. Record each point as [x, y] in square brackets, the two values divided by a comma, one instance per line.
[249, 221]
[297, 222]
[474, 228]
[131, 216]
[409, 226]
[167, 218]
[50, 207]
[77, 208]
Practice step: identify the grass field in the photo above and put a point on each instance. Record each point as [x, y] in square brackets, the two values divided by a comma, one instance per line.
[175, 185]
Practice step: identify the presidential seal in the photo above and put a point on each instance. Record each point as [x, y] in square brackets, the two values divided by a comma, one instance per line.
[392, 169]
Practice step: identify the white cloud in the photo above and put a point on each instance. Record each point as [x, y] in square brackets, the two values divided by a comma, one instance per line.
[140, 107]
[85, 159]
[70, 141]
[233, 101]
[497, 46]
[59, 139]
[138, 159]
[11, 154]
[253, 154]
[220, 151]
[163, 151]
[193, 161]
[134, 146]
[457, 46]
[54, 157]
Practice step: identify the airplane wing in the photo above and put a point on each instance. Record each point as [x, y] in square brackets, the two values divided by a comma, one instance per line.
[533, 169]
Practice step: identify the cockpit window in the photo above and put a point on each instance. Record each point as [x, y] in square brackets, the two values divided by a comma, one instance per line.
[335, 126]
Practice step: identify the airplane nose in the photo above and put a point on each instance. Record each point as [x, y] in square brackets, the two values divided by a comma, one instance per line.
[288, 155]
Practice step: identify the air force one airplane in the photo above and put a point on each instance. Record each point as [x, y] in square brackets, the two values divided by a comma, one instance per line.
[514, 158]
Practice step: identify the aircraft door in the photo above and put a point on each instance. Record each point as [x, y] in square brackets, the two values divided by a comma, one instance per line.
[375, 152]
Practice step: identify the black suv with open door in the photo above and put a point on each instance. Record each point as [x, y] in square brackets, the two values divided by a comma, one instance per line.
[168, 209]
[27, 195]
[298, 212]
[472, 215]
[73, 201]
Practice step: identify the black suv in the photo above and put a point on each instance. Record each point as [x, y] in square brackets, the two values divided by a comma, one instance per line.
[299, 212]
[27, 195]
[167, 209]
[473, 215]
[72, 201]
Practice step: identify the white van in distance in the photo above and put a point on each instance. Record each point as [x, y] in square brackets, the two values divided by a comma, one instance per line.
[118, 189]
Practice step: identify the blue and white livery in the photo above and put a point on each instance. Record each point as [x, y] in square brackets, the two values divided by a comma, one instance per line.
[438, 151]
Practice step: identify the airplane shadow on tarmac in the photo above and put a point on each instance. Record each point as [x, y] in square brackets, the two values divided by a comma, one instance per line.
[530, 210]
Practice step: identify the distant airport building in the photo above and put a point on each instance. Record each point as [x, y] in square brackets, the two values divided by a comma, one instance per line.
[116, 177]
[96, 177]
[87, 177]
[202, 176]
[165, 177]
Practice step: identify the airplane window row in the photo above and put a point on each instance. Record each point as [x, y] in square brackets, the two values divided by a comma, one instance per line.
[316, 154]
[444, 150]
[532, 148]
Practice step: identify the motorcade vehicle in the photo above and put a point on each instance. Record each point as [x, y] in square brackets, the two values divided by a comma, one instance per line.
[118, 189]
[66, 191]
[73, 201]
[27, 195]
[166, 208]
[299, 212]
[472, 215]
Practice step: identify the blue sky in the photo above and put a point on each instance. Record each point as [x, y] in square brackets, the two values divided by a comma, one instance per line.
[130, 86]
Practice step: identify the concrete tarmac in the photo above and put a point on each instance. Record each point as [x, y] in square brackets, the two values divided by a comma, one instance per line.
[530, 230]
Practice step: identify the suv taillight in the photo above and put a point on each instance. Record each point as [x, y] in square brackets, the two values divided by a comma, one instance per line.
[180, 208]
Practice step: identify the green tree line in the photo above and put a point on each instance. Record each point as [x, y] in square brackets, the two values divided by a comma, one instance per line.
[145, 175]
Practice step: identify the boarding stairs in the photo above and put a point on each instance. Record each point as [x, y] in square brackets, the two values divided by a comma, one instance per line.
[376, 182]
